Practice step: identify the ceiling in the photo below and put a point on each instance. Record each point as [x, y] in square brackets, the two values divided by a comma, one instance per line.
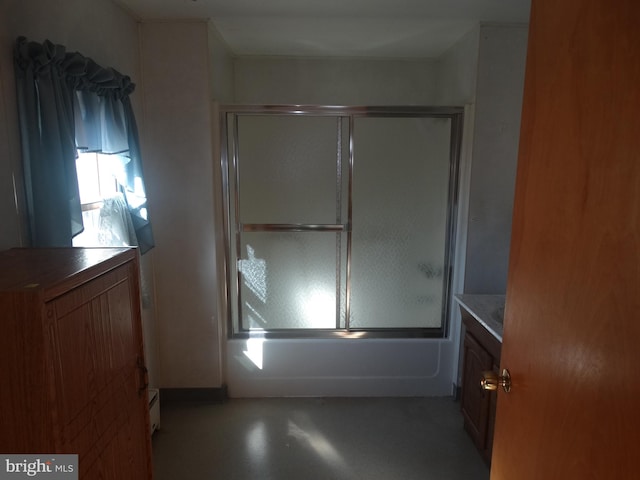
[342, 28]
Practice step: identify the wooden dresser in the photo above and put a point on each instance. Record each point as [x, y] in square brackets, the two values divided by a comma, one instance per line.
[72, 372]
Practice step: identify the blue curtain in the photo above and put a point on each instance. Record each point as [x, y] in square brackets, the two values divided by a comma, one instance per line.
[66, 101]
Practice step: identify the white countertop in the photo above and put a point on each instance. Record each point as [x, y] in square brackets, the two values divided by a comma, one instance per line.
[487, 309]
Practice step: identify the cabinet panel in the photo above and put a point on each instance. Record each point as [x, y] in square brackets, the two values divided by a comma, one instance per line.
[118, 328]
[481, 353]
[475, 401]
[76, 341]
[74, 361]
[29, 394]
[96, 369]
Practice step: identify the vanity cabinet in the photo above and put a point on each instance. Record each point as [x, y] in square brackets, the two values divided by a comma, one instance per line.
[71, 359]
[481, 352]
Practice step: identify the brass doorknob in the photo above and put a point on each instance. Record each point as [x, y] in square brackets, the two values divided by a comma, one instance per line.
[491, 380]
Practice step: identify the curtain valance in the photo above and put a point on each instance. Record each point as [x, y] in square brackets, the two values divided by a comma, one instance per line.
[80, 72]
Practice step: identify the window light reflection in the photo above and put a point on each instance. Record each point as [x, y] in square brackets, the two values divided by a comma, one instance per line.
[254, 317]
[307, 434]
[257, 444]
[254, 273]
[254, 351]
[318, 307]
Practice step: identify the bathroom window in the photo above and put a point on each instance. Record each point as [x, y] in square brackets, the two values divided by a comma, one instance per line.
[106, 218]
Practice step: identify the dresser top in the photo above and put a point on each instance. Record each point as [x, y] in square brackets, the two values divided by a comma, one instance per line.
[42, 269]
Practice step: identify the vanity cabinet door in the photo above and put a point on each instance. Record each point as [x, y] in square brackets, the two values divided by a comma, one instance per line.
[476, 403]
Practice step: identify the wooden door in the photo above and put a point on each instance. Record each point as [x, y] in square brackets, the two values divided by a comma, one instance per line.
[572, 319]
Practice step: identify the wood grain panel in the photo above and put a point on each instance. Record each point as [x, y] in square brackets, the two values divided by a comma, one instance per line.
[23, 396]
[69, 354]
[475, 401]
[571, 330]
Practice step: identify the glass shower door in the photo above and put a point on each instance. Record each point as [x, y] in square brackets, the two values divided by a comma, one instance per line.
[340, 222]
[289, 222]
[401, 208]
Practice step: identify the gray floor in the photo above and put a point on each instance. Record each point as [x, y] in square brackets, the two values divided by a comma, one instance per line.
[309, 439]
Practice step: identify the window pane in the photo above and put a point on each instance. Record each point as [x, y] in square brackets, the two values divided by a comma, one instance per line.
[88, 177]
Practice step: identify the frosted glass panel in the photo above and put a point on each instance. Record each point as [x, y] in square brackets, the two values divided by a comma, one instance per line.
[287, 169]
[288, 280]
[290, 184]
[400, 205]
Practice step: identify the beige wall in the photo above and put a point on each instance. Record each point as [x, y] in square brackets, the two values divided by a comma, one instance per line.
[498, 105]
[179, 172]
[221, 84]
[335, 82]
[486, 69]
[457, 71]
